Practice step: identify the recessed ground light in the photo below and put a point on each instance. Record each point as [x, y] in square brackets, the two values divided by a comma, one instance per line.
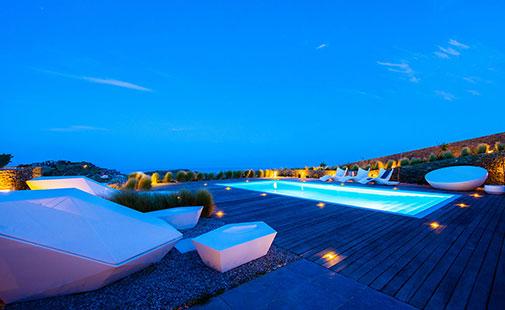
[329, 256]
[178, 197]
[204, 184]
[462, 205]
[341, 183]
[263, 194]
[320, 205]
[227, 188]
[435, 225]
[219, 213]
[476, 195]
[395, 188]
[247, 180]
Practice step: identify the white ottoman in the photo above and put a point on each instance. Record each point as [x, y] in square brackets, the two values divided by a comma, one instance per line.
[494, 189]
[179, 218]
[235, 244]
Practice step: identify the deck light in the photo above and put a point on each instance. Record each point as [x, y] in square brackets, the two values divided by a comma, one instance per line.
[329, 256]
[247, 180]
[320, 205]
[219, 213]
[228, 188]
[178, 197]
[435, 225]
[342, 184]
[395, 188]
[204, 184]
[263, 194]
[462, 205]
[476, 195]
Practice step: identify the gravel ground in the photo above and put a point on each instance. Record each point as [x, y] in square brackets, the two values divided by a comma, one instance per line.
[177, 282]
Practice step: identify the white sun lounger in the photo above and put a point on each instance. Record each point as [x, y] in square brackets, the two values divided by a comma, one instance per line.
[362, 174]
[337, 177]
[383, 178]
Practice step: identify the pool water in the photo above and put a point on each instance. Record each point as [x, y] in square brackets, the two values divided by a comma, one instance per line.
[410, 203]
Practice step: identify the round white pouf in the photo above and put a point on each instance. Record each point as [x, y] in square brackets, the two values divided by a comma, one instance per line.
[495, 189]
[457, 178]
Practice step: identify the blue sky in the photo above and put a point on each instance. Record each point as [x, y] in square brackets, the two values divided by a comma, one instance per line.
[171, 84]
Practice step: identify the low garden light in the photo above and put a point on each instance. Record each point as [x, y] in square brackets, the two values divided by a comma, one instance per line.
[247, 180]
[263, 194]
[476, 195]
[395, 188]
[329, 255]
[434, 225]
[228, 188]
[321, 204]
[462, 205]
[219, 213]
[204, 184]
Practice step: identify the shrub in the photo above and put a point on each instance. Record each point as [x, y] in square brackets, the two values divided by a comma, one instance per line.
[168, 177]
[261, 174]
[344, 168]
[355, 168]
[145, 183]
[251, 174]
[390, 164]
[199, 176]
[368, 167]
[499, 146]
[151, 202]
[220, 175]
[415, 160]
[190, 176]
[380, 164]
[465, 151]
[204, 198]
[448, 155]
[180, 176]
[229, 174]
[237, 174]
[404, 162]
[433, 157]
[156, 178]
[133, 175]
[5, 159]
[481, 148]
[131, 184]
[211, 176]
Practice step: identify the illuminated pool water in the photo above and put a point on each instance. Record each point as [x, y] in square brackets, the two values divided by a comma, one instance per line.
[410, 203]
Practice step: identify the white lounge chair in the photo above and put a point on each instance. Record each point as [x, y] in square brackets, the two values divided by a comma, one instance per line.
[79, 182]
[362, 174]
[64, 241]
[179, 218]
[337, 177]
[383, 178]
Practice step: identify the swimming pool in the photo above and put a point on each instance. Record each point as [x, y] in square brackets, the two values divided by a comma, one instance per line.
[410, 203]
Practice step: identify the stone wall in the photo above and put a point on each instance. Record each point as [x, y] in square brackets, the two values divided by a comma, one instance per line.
[14, 178]
[494, 163]
[454, 147]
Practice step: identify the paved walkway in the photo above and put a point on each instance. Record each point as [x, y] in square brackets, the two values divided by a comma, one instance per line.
[303, 285]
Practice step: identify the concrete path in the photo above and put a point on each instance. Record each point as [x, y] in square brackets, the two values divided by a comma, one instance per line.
[303, 285]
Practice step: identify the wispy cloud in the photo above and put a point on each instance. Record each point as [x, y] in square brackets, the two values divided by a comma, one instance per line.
[403, 68]
[99, 80]
[442, 55]
[458, 44]
[114, 82]
[77, 128]
[449, 51]
[471, 79]
[446, 95]
[321, 46]
[473, 92]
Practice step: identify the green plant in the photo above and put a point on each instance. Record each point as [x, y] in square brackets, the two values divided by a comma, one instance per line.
[261, 173]
[220, 175]
[186, 198]
[368, 167]
[433, 157]
[390, 164]
[355, 168]
[229, 174]
[481, 148]
[415, 160]
[180, 176]
[156, 178]
[204, 198]
[133, 175]
[145, 183]
[131, 184]
[5, 159]
[237, 174]
[199, 176]
[252, 173]
[448, 155]
[190, 176]
[498, 146]
[404, 162]
[465, 151]
[168, 178]
[211, 176]
[444, 147]
[322, 164]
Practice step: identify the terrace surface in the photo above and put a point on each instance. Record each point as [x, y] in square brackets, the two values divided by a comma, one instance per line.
[459, 264]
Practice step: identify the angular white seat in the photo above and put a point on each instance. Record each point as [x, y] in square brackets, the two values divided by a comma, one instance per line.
[235, 244]
[64, 241]
[458, 178]
[79, 182]
[179, 218]
[494, 189]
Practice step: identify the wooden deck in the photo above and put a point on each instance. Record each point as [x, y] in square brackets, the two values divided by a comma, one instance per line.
[460, 264]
